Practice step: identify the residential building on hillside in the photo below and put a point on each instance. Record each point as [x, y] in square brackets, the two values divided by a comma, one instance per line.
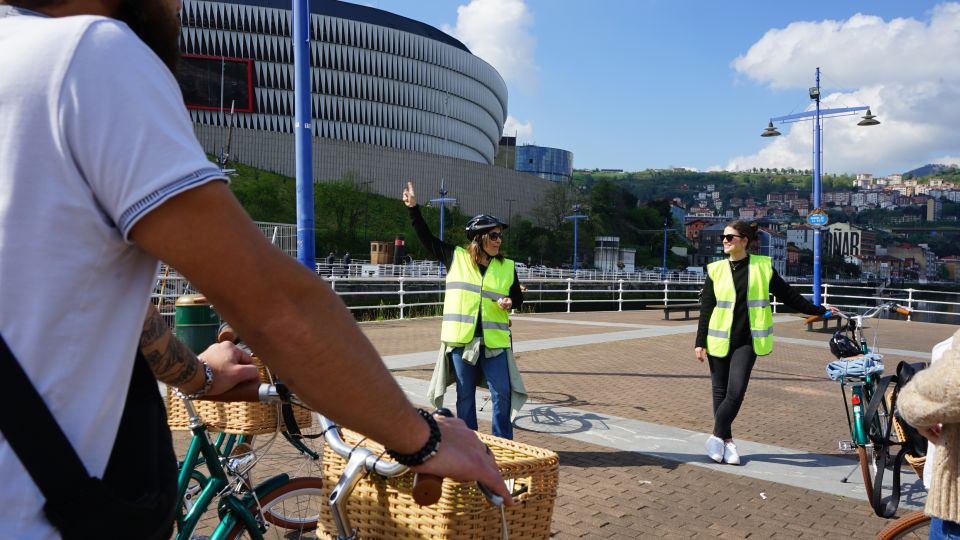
[773, 245]
[801, 235]
[692, 230]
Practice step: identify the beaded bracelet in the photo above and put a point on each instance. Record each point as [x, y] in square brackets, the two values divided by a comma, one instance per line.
[429, 449]
[207, 383]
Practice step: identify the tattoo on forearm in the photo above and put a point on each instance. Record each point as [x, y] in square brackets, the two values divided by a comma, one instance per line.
[169, 359]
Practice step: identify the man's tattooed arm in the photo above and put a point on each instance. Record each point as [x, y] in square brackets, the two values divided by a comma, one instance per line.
[169, 359]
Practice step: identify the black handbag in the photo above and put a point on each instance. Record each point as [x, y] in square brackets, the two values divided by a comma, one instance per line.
[136, 498]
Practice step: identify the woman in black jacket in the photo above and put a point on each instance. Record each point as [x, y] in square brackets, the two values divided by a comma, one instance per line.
[730, 342]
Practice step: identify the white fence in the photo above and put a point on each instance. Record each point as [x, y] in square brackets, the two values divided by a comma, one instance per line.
[406, 294]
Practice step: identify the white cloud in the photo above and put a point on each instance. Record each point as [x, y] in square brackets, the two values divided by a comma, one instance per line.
[513, 127]
[907, 70]
[498, 31]
[947, 160]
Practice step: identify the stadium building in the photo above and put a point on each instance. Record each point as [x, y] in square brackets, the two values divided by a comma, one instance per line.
[393, 100]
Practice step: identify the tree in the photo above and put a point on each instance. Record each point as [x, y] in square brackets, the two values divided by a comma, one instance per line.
[557, 203]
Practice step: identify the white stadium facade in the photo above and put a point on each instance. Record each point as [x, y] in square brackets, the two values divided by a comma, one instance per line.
[393, 100]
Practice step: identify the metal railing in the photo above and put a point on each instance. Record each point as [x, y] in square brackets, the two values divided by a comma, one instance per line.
[403, 291]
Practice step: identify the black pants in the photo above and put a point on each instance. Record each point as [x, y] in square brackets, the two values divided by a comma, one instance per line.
[729, 376]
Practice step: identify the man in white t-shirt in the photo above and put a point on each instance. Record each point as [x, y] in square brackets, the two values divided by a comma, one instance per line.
[101, 176]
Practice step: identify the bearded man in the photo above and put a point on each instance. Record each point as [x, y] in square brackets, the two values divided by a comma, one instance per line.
[101, 177]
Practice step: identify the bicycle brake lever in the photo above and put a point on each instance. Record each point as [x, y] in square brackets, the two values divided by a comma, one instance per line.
[494, 499]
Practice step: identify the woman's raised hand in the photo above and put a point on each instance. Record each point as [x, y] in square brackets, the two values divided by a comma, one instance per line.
[409, 196]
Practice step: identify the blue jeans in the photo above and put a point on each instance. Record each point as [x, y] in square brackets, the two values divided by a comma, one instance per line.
[943, 530]
[498, 381]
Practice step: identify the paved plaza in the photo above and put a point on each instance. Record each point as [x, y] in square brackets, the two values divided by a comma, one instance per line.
[621, 399]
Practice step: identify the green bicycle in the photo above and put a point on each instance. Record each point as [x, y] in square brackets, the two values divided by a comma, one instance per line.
[279, 507]
[859, 369]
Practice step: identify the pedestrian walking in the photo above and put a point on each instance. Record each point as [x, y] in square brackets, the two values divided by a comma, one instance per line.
[736, 326]
[346, 264]
[481, 289]
[329, 262]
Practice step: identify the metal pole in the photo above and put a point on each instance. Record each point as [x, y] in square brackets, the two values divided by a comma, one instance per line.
[575, 230]
[663, 270]
[816, 198]
[303, 130]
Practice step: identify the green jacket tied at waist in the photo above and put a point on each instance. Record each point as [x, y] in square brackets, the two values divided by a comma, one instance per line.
[444, 374]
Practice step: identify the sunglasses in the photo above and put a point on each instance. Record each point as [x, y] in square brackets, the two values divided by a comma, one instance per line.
[730, 237]
[495, 235]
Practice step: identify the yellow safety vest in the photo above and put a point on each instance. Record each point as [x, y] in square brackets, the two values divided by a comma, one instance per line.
[469, 293]
[760, 272]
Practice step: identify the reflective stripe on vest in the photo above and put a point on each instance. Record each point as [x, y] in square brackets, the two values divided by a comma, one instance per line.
[760, 272]
[469, 293]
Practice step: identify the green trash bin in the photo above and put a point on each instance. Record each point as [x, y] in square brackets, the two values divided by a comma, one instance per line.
[196, 322]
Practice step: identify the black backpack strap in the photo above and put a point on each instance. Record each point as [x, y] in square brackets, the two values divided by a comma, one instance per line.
[875, 401]
[34, 434]
[889, 509]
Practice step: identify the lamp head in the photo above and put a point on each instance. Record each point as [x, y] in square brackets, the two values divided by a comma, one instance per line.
[869, 119]
[770, 131]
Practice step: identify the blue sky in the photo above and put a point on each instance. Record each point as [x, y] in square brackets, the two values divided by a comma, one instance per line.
[657, 83]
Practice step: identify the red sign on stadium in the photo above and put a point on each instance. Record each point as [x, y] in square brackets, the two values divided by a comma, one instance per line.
[216, 82]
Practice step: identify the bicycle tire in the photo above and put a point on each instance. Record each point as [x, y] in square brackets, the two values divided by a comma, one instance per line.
[915, 524]
[279, 516]
[866, 457]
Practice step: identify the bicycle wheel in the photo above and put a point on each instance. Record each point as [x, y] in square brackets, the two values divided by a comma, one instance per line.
[916, 524]
[868, 468]
[300, 457]
[291, 510]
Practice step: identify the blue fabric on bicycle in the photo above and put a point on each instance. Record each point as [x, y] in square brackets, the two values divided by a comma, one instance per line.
[859, 366]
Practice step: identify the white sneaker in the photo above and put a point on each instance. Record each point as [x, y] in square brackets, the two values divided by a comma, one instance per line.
[714, 447]
[730, 454]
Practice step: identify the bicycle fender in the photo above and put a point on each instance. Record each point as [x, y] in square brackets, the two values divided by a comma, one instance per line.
[265, 487]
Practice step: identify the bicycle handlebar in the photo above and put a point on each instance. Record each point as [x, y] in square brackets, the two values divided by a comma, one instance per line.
[869, 314]
[426, 487]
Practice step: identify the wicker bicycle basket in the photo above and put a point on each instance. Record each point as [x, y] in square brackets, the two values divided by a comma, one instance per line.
[916, 462]
[241, 418]
[384, 509]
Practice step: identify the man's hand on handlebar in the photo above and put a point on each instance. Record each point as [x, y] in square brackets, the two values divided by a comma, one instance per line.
[463, 457]
[830, 310]
[231, 367]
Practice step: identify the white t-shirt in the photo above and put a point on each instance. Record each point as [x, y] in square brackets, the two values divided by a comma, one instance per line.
[93, 136]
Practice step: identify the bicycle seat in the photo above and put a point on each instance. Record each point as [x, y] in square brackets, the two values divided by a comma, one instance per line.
[857, 366]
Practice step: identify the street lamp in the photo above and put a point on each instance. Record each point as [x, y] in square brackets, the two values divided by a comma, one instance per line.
[816, 114]
[442, 200]
[575, 217]
[663, 269]
[303, 130]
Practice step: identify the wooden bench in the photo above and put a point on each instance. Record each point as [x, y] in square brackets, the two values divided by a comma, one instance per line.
[825, 324]
[685, 308]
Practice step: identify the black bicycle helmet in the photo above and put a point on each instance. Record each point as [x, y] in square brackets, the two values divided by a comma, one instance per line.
[483, 223]
[843, 347]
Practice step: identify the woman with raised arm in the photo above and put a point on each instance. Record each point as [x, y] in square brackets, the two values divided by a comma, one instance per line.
[736, 326]
[481, 289]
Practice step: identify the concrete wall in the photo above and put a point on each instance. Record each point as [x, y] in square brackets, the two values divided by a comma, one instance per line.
[478, 188]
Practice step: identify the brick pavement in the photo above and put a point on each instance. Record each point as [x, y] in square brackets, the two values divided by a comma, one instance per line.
[610, 493]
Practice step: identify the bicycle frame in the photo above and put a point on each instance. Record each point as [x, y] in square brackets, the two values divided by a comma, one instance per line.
[231, 508]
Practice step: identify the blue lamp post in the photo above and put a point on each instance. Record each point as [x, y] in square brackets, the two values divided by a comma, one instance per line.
[663, 269]
[816, 114]
[575, 217]
[442, 201]
[303, 129]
